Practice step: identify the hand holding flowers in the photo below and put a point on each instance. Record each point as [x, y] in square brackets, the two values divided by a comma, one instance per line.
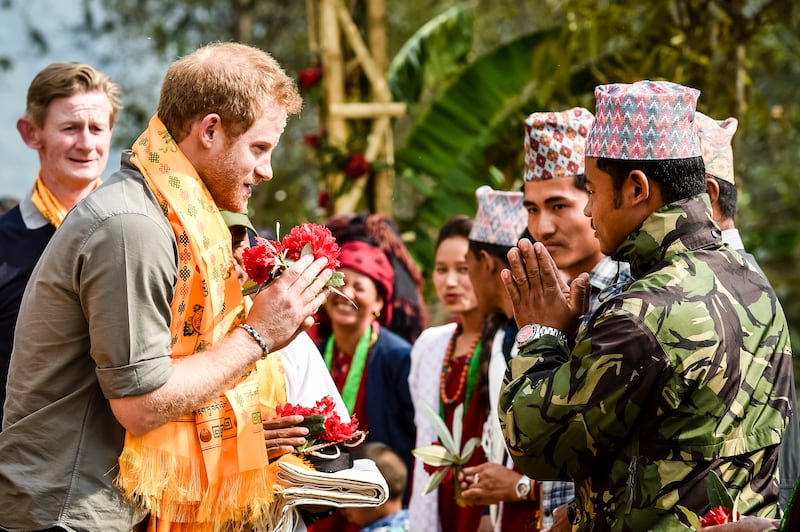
[325, 427]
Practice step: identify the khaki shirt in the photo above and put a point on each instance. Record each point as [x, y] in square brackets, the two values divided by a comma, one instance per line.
[93, 326]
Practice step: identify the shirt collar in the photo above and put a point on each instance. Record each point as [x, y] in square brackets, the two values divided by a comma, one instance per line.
[31, 216]
[733, 238]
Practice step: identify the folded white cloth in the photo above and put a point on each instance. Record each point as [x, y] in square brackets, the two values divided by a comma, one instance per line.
[361, 485]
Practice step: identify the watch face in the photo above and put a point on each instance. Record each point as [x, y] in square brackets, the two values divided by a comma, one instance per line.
[523, 487]
[525, 334]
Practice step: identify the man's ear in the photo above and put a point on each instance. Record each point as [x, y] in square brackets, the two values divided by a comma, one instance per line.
[491, 263]
[637, 188]
[209, 129]
[712, 187]
[29, 133]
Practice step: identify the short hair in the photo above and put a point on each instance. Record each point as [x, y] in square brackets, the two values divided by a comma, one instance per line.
[457, 226]
[62, 80]
[389, 464]
[236, 81]
[677, 178]
[496, 250]
[728, 198]
[579, 180]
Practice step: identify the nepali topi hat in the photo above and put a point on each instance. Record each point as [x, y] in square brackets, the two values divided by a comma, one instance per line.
[715, 139]
[646, 120]
[501, 218]
[555, 143]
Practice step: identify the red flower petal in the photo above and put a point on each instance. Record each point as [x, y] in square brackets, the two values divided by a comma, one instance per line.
[323, 244]
[335, 429]
[357, 166]
[309, 77]
[716, 516]
[261, 261]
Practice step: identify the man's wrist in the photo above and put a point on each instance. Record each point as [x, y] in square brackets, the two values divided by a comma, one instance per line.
[256, 336]
[523, 488]
[530, 332]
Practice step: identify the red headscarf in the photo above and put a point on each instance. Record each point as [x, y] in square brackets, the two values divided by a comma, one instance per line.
[372, 262]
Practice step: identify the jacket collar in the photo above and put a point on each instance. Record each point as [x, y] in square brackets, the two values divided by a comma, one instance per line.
[678, 227]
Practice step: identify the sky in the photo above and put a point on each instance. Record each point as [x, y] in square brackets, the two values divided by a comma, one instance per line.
[55, 18]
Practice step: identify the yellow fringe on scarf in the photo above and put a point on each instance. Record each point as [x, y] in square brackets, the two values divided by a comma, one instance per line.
[207, 470]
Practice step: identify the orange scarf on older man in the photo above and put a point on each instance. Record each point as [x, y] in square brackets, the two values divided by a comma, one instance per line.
[206, 469]
[48, 204]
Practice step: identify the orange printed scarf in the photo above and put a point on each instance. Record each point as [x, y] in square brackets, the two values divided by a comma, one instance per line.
[44, 200]
[208, 469]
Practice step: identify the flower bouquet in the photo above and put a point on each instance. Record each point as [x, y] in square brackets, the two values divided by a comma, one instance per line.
[441, 458]
[265, 261]
[326, 433]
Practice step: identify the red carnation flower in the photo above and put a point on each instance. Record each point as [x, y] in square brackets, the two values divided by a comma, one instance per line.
[357, 166]
[309, 77]
[323, 199]
[335, 430]
[716, 516]
[260, 261]
[265, 261]
[319, 237]
[313, 140]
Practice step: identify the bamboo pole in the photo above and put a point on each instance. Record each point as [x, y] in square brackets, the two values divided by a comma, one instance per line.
[368, 65]
[382, 127]
[367, 109]
[333, 81]
[311, 21]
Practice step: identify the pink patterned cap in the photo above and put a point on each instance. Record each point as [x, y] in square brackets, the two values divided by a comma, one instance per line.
[500, 219]
[715, 138]
[555, 142]
[646, 120]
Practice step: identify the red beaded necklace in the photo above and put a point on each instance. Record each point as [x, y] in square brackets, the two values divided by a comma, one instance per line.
[448, 359]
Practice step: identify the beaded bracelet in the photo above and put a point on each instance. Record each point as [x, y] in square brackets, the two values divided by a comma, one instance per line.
[257, 337]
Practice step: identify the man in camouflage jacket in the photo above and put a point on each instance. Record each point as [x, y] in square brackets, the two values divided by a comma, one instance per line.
[684, 373]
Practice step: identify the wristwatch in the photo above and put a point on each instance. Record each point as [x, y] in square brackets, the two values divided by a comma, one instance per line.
[533, 331]
[523, 487]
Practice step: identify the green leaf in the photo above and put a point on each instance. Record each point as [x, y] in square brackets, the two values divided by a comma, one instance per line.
[315, 424]
[476, 122]
[308, 249]
[435, 52]
[441, 429]
[336, 280]
[694, 521]
[435, 455]
[458, 423]
[717, 493]
[435, 480]
[469, 448]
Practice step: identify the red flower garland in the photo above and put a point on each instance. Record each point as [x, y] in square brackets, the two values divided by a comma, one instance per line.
[335, 430]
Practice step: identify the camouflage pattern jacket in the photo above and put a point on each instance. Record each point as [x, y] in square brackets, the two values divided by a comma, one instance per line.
[686, 371]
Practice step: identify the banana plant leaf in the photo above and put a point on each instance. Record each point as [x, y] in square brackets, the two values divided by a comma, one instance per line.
[444, 156]
[438, 50]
